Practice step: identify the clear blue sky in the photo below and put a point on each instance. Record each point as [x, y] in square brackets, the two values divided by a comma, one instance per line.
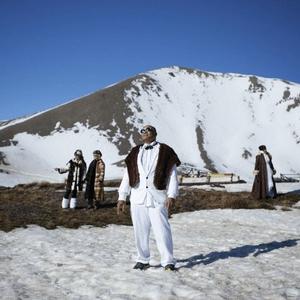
[54, 50]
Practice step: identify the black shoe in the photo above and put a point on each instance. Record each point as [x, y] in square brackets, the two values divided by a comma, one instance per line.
[141, 266]
[170, 267]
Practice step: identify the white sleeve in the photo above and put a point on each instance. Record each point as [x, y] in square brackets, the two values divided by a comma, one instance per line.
[172, 187]
[65, 170]
[124, 189]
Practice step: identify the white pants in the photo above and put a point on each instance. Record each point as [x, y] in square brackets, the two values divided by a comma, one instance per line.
[143, 218]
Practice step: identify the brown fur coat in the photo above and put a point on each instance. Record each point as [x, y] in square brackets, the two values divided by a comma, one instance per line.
[260, 184]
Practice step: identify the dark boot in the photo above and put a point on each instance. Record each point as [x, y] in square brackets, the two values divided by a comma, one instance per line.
[90, 204]
[141, 266]
[170, 267]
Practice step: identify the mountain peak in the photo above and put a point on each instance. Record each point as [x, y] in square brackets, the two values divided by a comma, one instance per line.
[214, 121]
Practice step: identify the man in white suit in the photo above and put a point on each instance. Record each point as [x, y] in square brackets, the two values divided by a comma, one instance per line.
[151, 181]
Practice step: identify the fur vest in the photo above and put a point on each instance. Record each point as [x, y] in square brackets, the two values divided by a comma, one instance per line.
[167, 158]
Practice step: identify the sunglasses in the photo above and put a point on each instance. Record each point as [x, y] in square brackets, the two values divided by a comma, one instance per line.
[147, 129]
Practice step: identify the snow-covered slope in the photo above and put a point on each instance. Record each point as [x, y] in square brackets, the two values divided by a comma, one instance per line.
[214, 121]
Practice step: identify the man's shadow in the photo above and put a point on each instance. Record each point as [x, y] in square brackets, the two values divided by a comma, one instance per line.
[294, 192]
[242, 251]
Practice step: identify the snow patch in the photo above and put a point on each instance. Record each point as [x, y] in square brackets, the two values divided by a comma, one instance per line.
[221, 254]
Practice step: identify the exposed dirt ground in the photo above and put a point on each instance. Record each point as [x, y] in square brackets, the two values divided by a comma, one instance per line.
[40, 204]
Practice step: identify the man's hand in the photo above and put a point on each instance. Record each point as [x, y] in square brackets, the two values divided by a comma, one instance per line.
[169, 204]
[121, 207]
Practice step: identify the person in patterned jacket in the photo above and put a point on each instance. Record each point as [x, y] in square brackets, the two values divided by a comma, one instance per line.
[76, 169]
[94, 181]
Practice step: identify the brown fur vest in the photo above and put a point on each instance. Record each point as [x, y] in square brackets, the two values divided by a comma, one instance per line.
[167, 158]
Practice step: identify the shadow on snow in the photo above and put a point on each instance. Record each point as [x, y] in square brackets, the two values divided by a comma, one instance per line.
[240, 252]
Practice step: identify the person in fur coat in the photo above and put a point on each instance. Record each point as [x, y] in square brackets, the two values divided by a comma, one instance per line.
[264, 184]
[76, 169]
[95, 181]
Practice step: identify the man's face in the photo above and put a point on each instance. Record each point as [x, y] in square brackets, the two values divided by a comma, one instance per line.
[148, 134]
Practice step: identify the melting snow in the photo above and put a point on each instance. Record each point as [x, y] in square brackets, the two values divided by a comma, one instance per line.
[221, 254]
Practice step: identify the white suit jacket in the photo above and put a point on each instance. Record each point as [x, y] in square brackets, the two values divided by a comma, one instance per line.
[145, 192]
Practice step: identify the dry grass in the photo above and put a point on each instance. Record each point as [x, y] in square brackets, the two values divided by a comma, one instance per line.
[40, 203]
[196, 199]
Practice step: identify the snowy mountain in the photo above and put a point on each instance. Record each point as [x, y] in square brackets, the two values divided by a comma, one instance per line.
[214, 121]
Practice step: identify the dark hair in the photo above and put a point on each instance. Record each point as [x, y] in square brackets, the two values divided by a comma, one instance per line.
[262, 148]
[78, 152]
[98, 152]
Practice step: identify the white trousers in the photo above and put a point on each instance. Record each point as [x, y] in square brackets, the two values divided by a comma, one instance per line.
[143, 218]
